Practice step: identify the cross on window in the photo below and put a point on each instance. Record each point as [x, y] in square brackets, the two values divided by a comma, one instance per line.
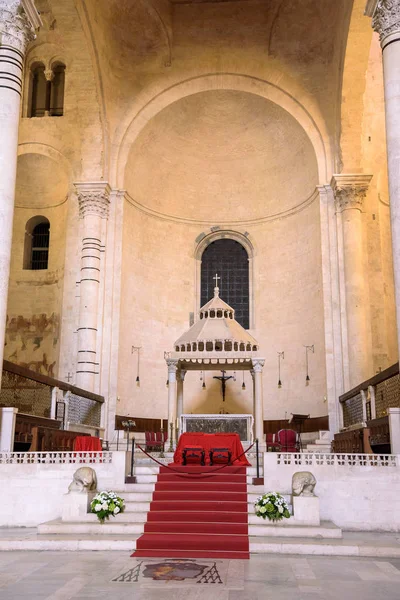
[216, 279]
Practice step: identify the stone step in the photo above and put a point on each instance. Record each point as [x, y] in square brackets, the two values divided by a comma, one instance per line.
[289, 528]
[114, 526]
[352, 544]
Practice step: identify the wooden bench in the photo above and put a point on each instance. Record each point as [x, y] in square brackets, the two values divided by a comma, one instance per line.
[24, 425]
[45, 439]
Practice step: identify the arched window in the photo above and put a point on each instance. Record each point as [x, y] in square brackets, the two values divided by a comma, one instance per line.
[230, 260]
[39, 90]
[37, 241]
[47, 91]
[57, 91]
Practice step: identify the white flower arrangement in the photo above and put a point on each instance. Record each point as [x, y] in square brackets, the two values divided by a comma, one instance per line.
[105, 504]
[272, 506]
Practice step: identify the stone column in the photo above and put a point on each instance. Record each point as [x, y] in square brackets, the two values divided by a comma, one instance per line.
[94, 204]
[386, 21]
[258, 365]
[18, 20]
[350, 192]
[172, 368]
[180, 381]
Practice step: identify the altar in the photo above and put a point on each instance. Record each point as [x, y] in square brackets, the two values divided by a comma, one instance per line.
[240, 424]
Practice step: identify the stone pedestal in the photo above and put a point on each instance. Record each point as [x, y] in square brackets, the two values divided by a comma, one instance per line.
[394, 428]
[76, 506]
[7, 428]
[306, 510]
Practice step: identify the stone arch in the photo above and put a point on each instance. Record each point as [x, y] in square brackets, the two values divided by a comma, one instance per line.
[244, 239]
[319, 137]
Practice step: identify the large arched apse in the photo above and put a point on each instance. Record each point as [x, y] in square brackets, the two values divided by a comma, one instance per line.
[219, 156]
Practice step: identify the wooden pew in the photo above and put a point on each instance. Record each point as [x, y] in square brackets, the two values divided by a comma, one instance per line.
[23, 429]
[45, 439]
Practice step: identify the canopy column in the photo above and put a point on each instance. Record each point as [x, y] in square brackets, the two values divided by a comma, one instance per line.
[172, 389]
[180, 381]
[258, 365]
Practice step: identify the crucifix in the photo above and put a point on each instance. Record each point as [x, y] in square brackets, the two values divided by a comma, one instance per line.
[223, 381]
[68, 377]
[216, 279]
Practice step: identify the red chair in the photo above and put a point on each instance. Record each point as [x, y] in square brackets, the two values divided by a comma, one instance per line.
[272, 442]
[155, 440]
[287, 440]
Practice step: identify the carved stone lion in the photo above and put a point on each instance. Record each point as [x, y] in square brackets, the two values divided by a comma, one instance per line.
[84, 480]
[303, 484]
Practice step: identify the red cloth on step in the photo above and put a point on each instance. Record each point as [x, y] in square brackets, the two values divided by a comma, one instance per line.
[211, 440]
[87, 443]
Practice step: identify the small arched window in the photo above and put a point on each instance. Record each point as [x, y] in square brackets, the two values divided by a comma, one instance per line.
[39, 90]
[57, 91]
[230, 260]
[47, 91]
[37, 242]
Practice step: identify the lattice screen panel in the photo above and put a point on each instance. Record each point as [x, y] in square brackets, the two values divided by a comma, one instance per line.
[352, 411]
[30, 397]
[84, 411]
[387, 395]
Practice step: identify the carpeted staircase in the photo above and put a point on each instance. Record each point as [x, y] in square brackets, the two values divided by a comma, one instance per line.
[197, 514]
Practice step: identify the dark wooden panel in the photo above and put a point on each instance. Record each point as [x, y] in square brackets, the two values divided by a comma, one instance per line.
[142, 424]
[349, 442]
[311, 425]
[53, 440]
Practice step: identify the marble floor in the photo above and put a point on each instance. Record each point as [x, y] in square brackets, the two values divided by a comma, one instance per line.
[116, 576]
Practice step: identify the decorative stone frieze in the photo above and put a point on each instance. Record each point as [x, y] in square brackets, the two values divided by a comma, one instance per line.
[17, 28]
[350, 191]
[93, 199]
[386, 18]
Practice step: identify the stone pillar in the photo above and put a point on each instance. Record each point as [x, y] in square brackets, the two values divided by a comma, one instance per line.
[386, 21]
[94, 204]
[8, 416]
[394, 428]
[172, 368]
[180, 382]
[350, 192]
[258, 365]
[18, 20]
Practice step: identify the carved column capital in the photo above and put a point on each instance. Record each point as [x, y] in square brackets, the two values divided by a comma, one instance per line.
[385, 17]
[49, 74]
[18, 21]
[258, 365]
[93, 198]
[350, 190]
[172, 365]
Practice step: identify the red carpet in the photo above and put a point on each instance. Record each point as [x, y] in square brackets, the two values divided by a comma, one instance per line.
[199, 515]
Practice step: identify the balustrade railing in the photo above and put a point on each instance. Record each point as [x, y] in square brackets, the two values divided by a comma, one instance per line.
[45, 458]
[318, 459]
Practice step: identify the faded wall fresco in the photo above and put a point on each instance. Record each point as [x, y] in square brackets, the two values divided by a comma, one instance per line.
[32, 342]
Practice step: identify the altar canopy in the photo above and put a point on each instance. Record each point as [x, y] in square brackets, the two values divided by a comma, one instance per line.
[216, 341]
[207, 441]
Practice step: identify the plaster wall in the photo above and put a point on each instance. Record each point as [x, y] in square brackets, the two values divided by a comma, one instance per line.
[35, 296]
[348, 495]
[158, 292]
[35, 491]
